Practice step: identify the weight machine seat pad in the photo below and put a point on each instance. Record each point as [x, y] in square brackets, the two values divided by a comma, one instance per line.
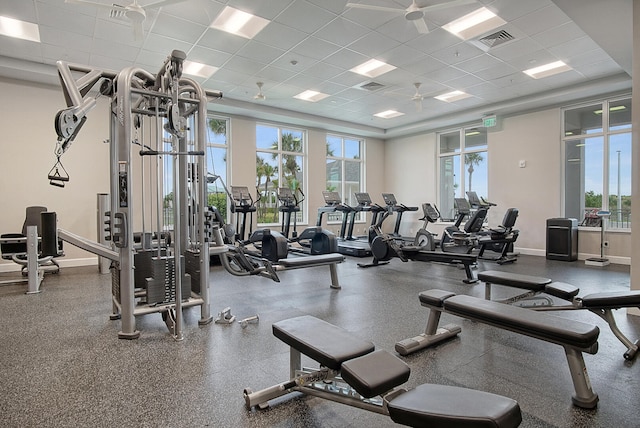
[562, 290]
[375, 373]
[325, 343]
[443, 406]
[306, 261]
[544, 326]
[612, 300]
[534, 283]
[434, 297]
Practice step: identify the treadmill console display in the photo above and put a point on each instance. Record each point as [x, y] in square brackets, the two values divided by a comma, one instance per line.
[363, 198]
[389, 199]
[331, 198]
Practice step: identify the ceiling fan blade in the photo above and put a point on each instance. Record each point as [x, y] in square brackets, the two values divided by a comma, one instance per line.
[418, 103]
[138, 31]
[446, 5]
[372, 7]
[421, 25]
[162, 3]
[96, 4]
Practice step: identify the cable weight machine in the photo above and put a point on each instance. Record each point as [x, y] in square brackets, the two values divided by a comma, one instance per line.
[161, 192]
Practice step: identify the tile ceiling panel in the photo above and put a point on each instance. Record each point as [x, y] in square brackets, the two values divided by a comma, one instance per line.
[313, 43]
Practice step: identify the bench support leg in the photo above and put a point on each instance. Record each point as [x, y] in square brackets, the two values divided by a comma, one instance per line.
[430, 337]
[335, 283]
[584, 396]
[607, 315]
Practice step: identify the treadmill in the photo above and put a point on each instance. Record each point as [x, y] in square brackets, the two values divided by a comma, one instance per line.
[348, 247]
[399, 209]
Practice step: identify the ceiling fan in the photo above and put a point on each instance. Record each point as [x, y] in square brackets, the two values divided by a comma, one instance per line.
[413, 13]
[259, 96]
[133, 12]
[417, 97]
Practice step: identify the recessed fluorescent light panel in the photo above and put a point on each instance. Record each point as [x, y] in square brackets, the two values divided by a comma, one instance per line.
[240, 23]
[388, 114]
[312, 96]
[19, 29]
[452, 96]
[474, 24]
[198, 69]
[373, 68]
[547, 70]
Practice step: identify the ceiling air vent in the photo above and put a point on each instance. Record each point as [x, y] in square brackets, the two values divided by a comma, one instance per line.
[370, 86]
[495, 39]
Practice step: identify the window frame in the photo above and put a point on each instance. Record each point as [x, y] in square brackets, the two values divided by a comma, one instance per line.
[222, 196]
[463, 150]
[302, 215]
[346, 198]
[605, 133]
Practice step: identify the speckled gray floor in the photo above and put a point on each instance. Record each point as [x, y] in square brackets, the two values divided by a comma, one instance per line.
[62, 365]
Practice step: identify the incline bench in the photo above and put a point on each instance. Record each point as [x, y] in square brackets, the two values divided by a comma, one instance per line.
[352, 373]
[600, 304]
[575, 337]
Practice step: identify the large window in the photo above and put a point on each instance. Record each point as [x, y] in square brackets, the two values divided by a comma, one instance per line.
[463, 166]
[345, 169]
[597, 153]
[217, 139]
[280, 162]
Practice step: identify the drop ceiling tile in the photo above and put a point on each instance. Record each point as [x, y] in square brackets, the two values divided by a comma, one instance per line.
[323, 71]
[589, 57]
[465, 82]
[52, 53]
[260, 52]
[208, 56]
[266, 9]
[436, 40]
[400, 56]
[230, 76]
[532, 59]
[510, 10]
[122, 52]
[20, 9]
[117, 31]
[541, 20]
[108, 63]
[371, 19]
[201, 12]
[276, 74]
[558, 35]
[64, 38]
[573, 48]
[496, 72]
[335, 6]
[177, 28]
[341, 32]
[349, 79]
[600, 69]
[164, 45]
[346, 59]
[305, 81]
[305, 16]
[399, 29]
[423, 65]
[515, 49]
[480, 62]
[315, 48]
[445, 75]
[280, 36]
[58, 17]
[151, 61]
[373, 44]
[457, 53]
[222, 41]
[22, 49]
[244, 65]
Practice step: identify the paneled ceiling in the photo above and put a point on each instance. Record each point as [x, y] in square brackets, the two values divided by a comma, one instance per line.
[312, 44]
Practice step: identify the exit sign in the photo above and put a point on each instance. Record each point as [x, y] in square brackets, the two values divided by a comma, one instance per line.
[489, 121]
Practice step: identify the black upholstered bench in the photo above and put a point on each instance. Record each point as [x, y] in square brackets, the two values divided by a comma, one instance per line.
[331, 259]
[600, 304]
[352, 373]
[574, 336]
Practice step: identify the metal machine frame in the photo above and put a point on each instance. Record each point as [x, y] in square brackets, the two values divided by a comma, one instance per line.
[148, 113]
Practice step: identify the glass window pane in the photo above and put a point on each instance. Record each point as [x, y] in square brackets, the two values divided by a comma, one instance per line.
[352, 182]
[620, 114]
[292, 141]
[620, 180]
[352, 149]
[449, 185]
[583, 120]
[266, 185]
[450, 142]
[475, 164]
[266, 137]
[334, 175]
[583, 176]
[334, 146]
[475, 138]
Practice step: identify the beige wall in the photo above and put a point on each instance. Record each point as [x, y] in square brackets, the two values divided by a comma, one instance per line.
[28, 141]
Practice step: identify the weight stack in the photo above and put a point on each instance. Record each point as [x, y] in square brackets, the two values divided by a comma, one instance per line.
[161, 288]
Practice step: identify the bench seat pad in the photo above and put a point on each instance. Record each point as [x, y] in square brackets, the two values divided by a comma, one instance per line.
[375, 373]
[320, 259]
[540, 325]
[535, 283]
[325, 343]
[443, 406]
[612, 300]
[434, 297]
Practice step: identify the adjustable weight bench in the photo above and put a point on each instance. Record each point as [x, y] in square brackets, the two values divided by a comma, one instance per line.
[352, 373]
[600, 304]
[575, 337]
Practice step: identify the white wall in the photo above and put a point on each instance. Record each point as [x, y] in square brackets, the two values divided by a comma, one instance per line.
[27, 146]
